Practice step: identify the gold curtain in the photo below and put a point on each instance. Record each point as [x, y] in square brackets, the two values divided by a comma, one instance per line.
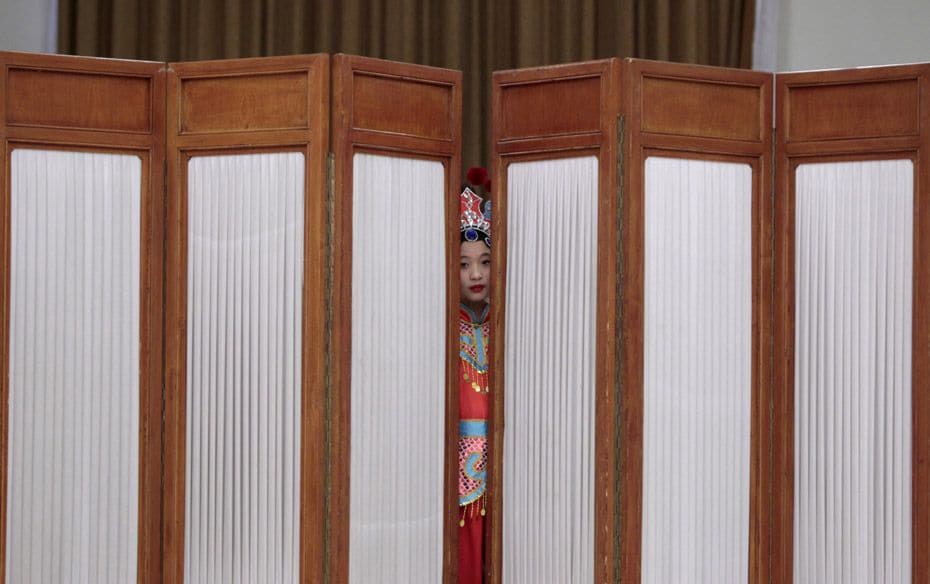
[475, 37]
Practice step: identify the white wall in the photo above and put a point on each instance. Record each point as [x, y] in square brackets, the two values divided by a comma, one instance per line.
[829, 34]
[28, 25]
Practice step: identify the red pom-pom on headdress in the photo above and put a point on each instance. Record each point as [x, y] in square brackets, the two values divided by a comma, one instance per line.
[477, 175]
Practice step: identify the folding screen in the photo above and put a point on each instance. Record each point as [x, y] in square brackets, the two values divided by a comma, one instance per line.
[852, 499]
[269, 334]
[695, 303]
[245, 386]
[630, 322]
[396, 142]
[651, 421]
[553, 314]
[81, 183]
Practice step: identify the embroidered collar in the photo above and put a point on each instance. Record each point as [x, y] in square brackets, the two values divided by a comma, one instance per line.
[475, 318]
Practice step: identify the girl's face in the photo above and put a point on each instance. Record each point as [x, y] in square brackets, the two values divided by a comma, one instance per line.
[475, 272]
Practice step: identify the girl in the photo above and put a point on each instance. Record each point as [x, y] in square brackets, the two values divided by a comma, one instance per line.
[475, 272]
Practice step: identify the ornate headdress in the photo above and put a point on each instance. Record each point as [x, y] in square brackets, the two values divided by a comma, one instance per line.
[475, 224]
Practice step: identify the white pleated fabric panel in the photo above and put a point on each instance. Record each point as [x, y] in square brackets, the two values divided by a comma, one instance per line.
[697, 385]
[548, 483]
[398, 370]
[852, 401]
[244, 314]
[74, 368]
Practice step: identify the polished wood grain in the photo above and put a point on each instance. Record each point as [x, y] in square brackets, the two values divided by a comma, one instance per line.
[688, 107]
[400, 106]
[210, 112]
[244, 102]
[367, 121]
[538, 110]
[80, 100]
[40, 108]
[862, 109]
[857, 114]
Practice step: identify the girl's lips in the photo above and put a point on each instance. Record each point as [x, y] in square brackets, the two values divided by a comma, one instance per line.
[478, 288]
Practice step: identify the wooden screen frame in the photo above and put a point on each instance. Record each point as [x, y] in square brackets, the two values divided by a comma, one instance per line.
[665, 105]
[622, 143]
[846, 101]
[366, 118]
[633, 122]
[52, 112]
[273, 104]
[525, 127]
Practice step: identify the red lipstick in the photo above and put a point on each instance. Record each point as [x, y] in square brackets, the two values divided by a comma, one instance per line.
[477, 288]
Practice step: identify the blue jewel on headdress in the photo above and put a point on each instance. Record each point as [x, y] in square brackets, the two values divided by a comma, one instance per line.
[471, 235]
[487, 211]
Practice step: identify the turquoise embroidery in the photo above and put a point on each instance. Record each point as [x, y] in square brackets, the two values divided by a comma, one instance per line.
[473, 428]
[479, 476]
[480, 360]
[476, 340]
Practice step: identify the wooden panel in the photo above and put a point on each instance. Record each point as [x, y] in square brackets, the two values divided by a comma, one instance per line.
[373, 125]
[392, 106]
[82, 101]
[402, 106]
[96, 105]
[556, 107]
[857, 114]
[271, 101]
[741, 133]
[548, 113]
[303, 100]
[858, 110]
[680, 106]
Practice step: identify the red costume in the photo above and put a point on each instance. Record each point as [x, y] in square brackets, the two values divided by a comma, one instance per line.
[473, 442]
